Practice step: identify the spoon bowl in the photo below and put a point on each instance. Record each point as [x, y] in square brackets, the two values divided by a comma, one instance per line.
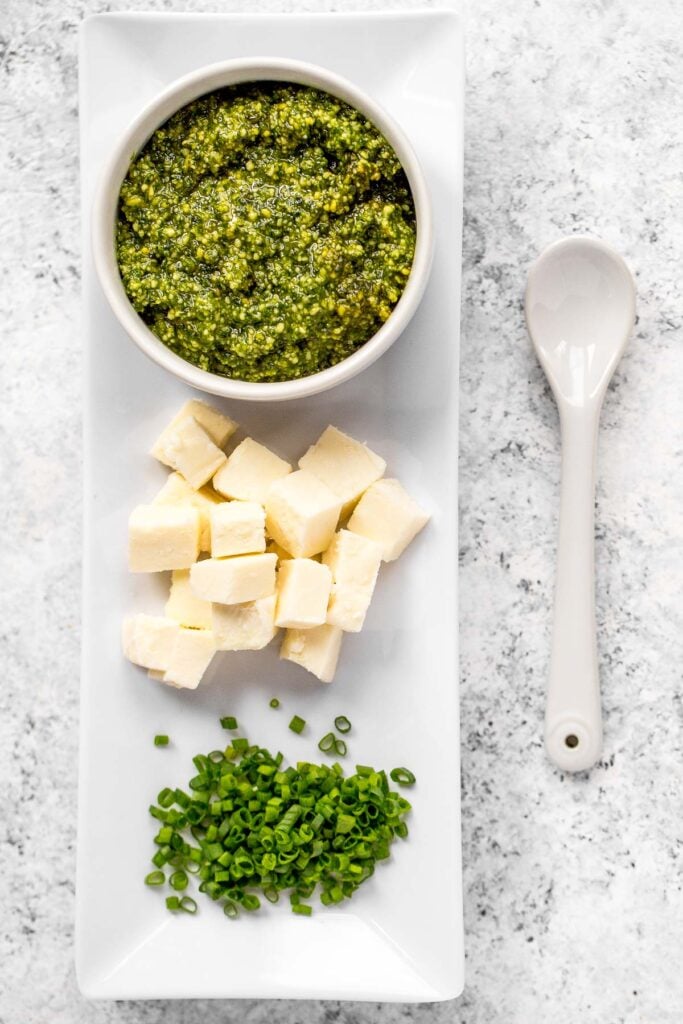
[580, 309]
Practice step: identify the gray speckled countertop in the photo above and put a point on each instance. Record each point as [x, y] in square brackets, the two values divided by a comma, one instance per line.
[573, 902]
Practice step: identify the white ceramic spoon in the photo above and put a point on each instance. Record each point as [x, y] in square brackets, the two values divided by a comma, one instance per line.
[580, 308]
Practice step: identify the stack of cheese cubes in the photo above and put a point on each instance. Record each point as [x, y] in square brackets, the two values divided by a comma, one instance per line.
[254, 546]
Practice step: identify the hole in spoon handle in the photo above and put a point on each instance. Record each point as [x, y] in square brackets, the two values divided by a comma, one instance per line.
[573, 743]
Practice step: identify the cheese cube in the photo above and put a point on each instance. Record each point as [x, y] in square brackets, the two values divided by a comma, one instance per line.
[244, 627]
[219, 427]
[190, 657]
[316, 650]
[162, 537]
[388, 515]
[234, 580]
[354, 562]
[238, 528]
[177, 491]
[184, 606]
[249, 472]
[187, 447]
[346, 466]
[148, 639]
[302, 514]
[303, 591]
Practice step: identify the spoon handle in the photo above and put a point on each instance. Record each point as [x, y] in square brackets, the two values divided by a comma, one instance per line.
[573, 726]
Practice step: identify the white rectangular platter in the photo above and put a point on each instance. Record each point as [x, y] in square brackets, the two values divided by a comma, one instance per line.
[400, 938]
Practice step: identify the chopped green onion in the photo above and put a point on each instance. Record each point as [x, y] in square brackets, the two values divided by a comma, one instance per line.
[342, 724]
[274, 702]
[327, 743]
[155, 878]
[251, 828]
[160, 740]
[178, 881]
[228, 722]
[403, 776]
[297, 724]
[340, 748]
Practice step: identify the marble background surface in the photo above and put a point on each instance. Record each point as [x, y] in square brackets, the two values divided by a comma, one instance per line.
[572, 885]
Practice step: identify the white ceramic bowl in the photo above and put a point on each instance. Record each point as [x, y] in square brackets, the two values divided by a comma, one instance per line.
[177, 95]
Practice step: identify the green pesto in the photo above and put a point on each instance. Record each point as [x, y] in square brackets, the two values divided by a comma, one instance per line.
[265, 232]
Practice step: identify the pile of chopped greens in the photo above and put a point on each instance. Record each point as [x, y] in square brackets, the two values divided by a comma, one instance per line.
[248, 827]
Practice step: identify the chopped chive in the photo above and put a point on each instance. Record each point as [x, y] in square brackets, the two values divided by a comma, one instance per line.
[155, 878]
[342, 724]
[160, 740]
[274, 702]
[178, 881]
[229, 722]
[403, 776]
[327, 743]
[250, 829]
[297, 724]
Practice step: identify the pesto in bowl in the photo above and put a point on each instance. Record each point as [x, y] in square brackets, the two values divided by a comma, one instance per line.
[265, 232]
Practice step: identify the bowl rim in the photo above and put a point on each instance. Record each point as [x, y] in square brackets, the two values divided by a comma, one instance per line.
[178, 94]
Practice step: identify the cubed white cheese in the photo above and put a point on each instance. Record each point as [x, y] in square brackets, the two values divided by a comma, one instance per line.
[184, 606]
[388, 515]
[346, 466]
[244, 627]
[238, 528]
[234, 580]
[249, 472]
[354, 562]
[191, 655]
[218, 426]
[303, 591]
[177, 491]
[187, 447]
[148, 640]
[302, 514]
[316, 650]
[162, 537]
